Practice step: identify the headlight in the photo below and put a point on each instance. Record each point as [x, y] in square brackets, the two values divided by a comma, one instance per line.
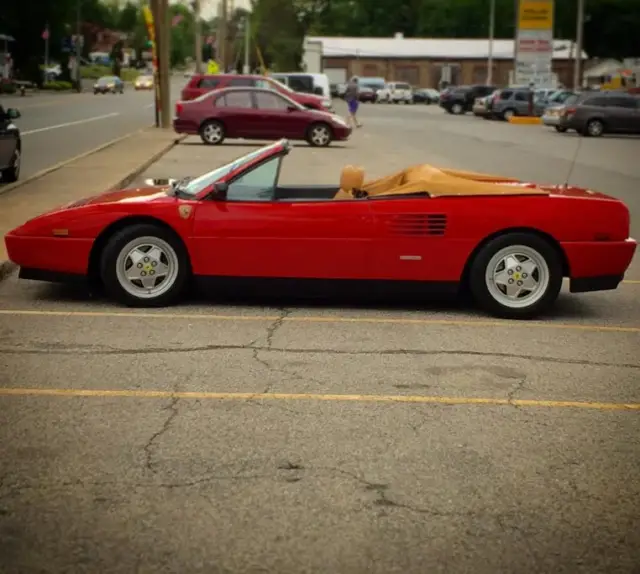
[326, 103]
[338, 120]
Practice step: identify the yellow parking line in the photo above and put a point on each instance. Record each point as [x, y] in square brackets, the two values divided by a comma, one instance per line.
[327, 319]
[434, 400]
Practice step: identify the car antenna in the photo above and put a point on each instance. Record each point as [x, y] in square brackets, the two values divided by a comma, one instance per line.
[573, 163]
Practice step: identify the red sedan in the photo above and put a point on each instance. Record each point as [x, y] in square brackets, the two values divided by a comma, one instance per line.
[509, 243]
[253, 113]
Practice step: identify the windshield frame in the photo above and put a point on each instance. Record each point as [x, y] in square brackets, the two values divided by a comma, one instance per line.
[193, 188]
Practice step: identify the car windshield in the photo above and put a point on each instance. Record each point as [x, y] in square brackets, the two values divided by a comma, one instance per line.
[106, 80]
[283, 86]
[194, 186]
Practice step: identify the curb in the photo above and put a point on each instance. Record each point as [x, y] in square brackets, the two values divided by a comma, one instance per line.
[525, 120]
[60, 165]
[8, 267]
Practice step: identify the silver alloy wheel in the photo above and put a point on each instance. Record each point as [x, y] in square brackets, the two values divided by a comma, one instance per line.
[320, 135]
[147, 267]
[456, 108]
[508, 114]
[595, 128]
[212, 133]
[517, 276]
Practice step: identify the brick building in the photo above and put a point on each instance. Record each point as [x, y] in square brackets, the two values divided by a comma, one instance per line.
[421, 61]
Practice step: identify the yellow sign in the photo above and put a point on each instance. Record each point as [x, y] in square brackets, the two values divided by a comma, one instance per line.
[536, 15]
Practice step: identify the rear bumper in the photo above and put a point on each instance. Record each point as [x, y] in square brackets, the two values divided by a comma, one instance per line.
[551, 120]
[598, 265]
[185, 127]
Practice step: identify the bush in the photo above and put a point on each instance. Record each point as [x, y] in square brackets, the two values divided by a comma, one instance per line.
[8, 87]
[57, 86]
[94, 72]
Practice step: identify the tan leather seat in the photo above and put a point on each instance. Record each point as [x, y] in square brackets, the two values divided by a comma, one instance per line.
[351, 178]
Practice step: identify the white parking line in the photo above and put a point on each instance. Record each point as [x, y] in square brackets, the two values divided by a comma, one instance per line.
[48, 128]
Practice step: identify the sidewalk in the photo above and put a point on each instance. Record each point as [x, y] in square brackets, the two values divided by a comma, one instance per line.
[111, 167]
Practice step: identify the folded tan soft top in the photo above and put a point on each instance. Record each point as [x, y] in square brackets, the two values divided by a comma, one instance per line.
[446, 182]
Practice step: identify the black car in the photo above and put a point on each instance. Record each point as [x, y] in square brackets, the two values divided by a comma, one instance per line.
[10, 146]
[425, 96]
[460, 99]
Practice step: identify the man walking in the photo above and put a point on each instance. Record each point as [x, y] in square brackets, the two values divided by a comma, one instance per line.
[351, 97]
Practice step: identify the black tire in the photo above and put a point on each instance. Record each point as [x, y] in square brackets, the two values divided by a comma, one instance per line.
[594, 128]
[207, 136]
[313, 137]
[560, 129]
[457, 109]
[478, 270]
[506, 113]
[11, 174]
[118, 242]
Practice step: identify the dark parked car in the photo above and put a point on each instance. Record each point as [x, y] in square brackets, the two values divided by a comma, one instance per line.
[200, 84]
[256, 113]
[109, 85]
[367, 95]
[426, 96]
[459, 100]
[599, 113]
[10, 145]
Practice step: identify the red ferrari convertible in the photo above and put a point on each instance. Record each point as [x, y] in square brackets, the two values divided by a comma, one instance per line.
[507, 242]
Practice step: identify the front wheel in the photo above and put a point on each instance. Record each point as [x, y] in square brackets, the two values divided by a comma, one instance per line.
[457, 109]
[144, 265]
[560, 129]
[212, 132]
[516, 276]
[11, 174]
[319, 135]
[508, 114]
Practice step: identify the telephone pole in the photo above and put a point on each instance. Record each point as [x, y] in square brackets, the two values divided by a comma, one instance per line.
[161, 18]
[492, 25]
[198, 35]
[577, 62]
[224, 16]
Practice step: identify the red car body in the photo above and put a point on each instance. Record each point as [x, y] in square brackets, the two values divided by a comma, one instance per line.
[200, 84]
[301, 232]
[253, 113]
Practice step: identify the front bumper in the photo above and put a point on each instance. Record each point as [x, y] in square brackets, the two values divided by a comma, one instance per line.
[51, 254]
[598, 265]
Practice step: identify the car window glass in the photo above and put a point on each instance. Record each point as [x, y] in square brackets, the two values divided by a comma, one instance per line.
[208, 83]
[269, 101]
[257, 185]
[240, 83]
[238, 100]
[522, 96]
[600, 102]
[301, 83]
[505, 94]
[621, 103]
[404, 87]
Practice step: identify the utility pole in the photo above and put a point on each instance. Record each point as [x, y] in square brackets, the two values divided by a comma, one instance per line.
[78, 46]
[577, 62]
[164, 50]
[222, 42]
[492, 26]
[247, 43]
[198, 35]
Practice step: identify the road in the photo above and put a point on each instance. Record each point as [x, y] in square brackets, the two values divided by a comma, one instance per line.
[58, 127]
[343, 438]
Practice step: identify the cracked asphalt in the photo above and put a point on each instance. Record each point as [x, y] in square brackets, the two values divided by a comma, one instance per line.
[391, 438]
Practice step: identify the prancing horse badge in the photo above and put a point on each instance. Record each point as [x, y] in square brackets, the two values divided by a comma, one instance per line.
[184, 211]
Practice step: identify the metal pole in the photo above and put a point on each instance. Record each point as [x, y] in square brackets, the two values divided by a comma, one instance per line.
[578, 55]
[492, 25]
[223, 37]
[78, 47]
[247, 44]
[198, 35]
[163, 56]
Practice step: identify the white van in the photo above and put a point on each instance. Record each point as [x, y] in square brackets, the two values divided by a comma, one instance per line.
[317, 84]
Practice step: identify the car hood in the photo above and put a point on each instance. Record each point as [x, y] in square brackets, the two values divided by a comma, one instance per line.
[154, 190]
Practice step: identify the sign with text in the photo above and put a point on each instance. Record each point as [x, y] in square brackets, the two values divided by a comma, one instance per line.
[534, 43]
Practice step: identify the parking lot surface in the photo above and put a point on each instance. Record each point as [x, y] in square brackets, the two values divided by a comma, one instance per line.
[255, 436]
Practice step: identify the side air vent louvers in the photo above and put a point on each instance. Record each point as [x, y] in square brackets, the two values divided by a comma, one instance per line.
[418, 224]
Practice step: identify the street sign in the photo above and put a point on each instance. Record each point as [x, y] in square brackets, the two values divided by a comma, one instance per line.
[534, 43]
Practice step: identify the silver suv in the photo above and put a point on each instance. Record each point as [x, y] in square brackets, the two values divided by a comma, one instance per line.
[510, 102]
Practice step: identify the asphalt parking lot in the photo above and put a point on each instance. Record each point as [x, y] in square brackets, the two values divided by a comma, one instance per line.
[236, 437]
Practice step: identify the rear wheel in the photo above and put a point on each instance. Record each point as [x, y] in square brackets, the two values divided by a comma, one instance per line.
[319, 135]
[516, 276]
[594, 128]
[560, 129]
[457, 109]
[508, 114]
[11, 174]
[212, 132]
[144, 265]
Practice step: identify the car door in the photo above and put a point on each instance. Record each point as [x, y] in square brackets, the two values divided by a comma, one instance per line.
[237, 112]
[7, 140]
[620, 113]
[410, 239]
[521, 101]
[250, 234]
[275, 119]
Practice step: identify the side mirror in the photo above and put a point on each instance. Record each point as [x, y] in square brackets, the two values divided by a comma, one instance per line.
[12, 113]
[220, 190]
